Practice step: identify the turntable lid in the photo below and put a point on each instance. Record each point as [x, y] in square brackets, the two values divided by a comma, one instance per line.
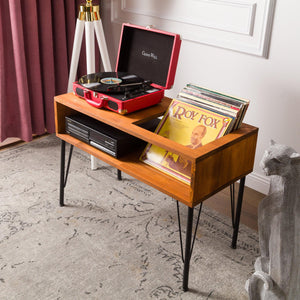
[149, 53]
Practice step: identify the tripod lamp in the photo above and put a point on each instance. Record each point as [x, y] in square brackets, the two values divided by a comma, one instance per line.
[90, 21]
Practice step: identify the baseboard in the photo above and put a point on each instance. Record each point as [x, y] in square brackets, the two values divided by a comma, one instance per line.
[258, 182]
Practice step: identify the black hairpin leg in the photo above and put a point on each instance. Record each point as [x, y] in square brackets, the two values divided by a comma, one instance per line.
[63, 174]
[119, 175]
[232, 201]
[189, 243]
[236, 214]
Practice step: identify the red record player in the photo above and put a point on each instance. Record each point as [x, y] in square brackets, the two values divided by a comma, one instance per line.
[146, 66]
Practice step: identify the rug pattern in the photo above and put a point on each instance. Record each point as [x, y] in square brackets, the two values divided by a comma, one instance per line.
[113, 239]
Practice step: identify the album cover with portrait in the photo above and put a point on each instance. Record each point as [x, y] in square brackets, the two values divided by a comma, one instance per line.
[190, 125]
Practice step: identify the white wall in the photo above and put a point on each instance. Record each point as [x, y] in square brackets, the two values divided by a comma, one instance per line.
[272, 83]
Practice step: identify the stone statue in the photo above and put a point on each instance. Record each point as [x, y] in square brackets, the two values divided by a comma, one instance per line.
[277, 270]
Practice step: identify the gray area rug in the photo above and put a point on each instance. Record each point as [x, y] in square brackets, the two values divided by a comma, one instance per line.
[112, 240]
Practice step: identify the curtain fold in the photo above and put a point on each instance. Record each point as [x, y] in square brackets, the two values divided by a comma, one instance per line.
[36, 40]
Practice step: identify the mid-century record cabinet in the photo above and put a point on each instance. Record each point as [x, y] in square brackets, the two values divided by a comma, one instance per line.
[214, 166]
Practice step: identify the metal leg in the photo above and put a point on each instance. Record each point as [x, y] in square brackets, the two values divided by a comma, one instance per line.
[236, 222]
[62, 172]
[189, 243]
[119, 175]
[63, 175]
[188, 240]
[232, 200]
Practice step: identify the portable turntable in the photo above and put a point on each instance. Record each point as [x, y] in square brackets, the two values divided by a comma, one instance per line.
[146, 66]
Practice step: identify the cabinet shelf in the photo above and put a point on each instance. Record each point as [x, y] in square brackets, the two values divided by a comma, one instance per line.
[131, 165]
[214, 166]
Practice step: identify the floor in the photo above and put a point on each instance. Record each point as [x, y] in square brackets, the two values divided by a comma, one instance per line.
[221, 203]
[9, 142]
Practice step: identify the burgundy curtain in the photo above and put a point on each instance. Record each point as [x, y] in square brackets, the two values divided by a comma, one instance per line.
[36, 41]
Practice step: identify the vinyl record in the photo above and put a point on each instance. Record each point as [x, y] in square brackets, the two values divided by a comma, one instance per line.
[110, 82]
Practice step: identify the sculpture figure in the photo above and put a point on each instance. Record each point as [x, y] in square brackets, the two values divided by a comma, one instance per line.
[277, 270]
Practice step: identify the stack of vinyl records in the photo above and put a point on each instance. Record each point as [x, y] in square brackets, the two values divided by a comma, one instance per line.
[215, 101]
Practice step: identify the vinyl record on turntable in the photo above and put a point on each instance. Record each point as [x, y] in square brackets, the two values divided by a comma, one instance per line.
[110, 82]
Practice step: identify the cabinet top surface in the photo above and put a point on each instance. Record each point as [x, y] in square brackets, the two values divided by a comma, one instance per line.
[108, 116]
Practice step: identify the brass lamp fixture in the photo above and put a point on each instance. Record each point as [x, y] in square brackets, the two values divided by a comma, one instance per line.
[89, 12]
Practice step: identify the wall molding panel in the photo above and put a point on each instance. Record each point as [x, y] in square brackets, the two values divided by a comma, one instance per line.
[239, 25]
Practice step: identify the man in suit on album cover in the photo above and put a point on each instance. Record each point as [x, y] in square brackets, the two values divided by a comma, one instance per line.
[183, 165]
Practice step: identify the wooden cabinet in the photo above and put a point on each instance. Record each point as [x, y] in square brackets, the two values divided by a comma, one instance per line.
[214, 166]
